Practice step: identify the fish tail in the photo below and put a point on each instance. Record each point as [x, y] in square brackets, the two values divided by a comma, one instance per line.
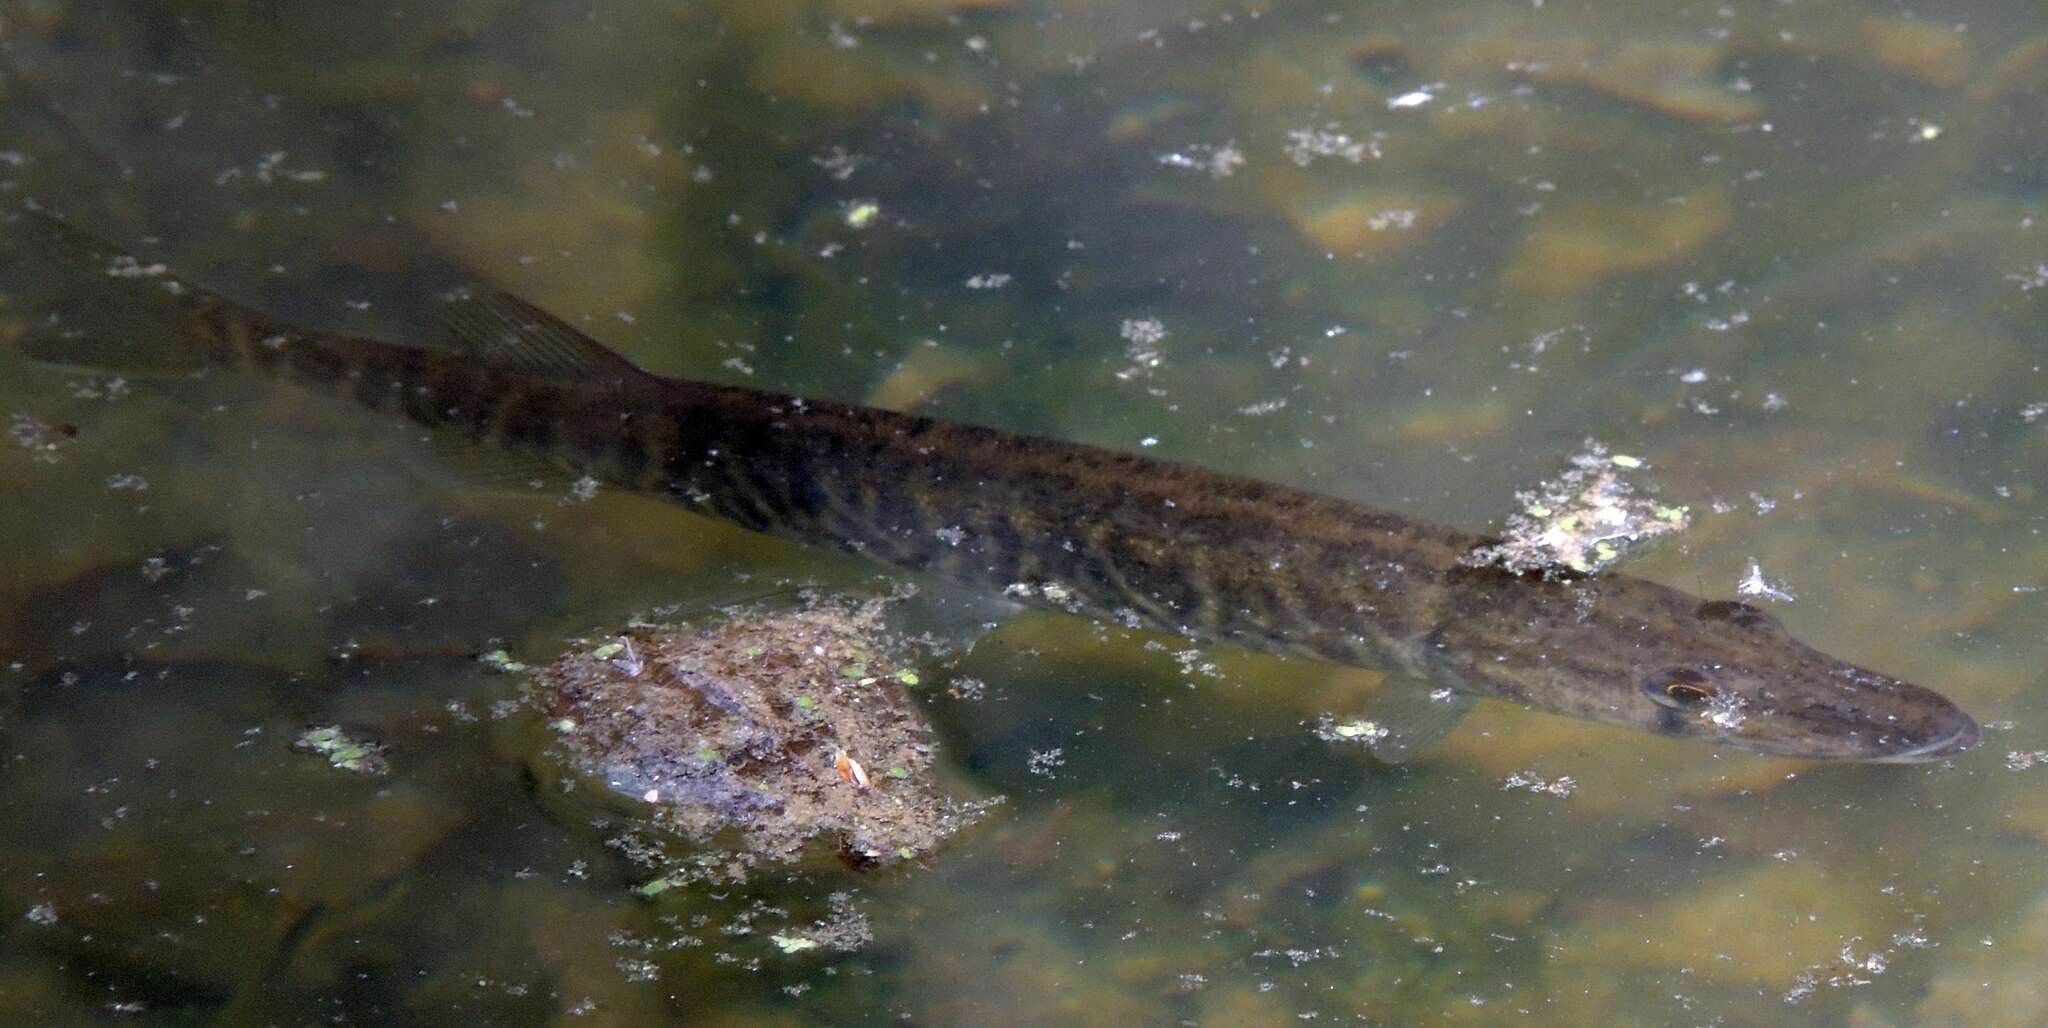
[103, 308]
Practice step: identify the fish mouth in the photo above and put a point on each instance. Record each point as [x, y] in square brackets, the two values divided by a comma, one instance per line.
[1965, 737]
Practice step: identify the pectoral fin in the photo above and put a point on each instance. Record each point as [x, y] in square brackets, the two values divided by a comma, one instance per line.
[1401, 720]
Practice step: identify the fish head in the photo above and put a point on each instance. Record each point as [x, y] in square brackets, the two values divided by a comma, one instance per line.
[1631, 652]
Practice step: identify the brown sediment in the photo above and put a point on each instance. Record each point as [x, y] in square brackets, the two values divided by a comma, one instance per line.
[1576, 247]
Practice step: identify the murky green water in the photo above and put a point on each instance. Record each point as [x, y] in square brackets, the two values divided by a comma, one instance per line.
[1790, 253]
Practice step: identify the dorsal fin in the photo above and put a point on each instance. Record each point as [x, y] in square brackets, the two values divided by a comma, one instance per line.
[510, 333]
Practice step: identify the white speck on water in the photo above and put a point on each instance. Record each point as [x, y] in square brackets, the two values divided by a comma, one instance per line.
[1305, 145]
[1415, 98]
[127, 483]
[840, 163]
[952, 535]
[44, 914]
[1724, 710]
[1394, 217]
[124, 266]
[1693, 377]
[2019, 760]
[1755, 584]
[1045, 763]
[40, 439]
[1149, 441]
[1218, 161]
[989, 280]
[1142, 336]
[583, 490]
[1143, 331]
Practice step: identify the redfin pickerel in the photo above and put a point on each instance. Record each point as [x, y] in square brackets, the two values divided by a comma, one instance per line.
[1150, 542]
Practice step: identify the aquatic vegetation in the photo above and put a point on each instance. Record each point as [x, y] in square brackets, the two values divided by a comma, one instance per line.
[342, 750]
[764, 722]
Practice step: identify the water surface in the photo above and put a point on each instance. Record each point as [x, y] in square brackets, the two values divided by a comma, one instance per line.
[1790, 255]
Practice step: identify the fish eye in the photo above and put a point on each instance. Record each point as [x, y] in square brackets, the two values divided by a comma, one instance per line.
[1734, 612]
[1680, 687]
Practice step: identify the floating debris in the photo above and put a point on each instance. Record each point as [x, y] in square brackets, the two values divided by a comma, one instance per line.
[1329, 729]
[1218, 161]
[1584, 520]
[782, 725]
[40, 439]
[342, 751]
[501, 662]
[1755, 584]
[1143, 336]
[1560, 787]
[793, 943]
[862, 213]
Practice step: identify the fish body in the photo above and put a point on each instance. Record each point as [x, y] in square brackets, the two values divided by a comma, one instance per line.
[1150, 543]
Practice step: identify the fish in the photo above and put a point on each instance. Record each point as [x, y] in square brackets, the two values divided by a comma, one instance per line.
[1150, 543]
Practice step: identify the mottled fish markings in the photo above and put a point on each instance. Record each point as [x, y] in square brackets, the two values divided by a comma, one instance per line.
[1152, 543]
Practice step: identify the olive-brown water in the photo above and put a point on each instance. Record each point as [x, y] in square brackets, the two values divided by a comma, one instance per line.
[1788, 254]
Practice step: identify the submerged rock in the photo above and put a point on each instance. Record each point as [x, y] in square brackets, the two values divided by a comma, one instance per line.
[784, 725]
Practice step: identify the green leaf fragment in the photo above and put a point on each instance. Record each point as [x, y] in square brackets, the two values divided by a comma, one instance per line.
[1623, 460]
[854, 670]
[342, 752]
[806, 702]
[608, 651]
[907, 677]
[793, 943]
[500, 661]
[899, 772]
[657, 887]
